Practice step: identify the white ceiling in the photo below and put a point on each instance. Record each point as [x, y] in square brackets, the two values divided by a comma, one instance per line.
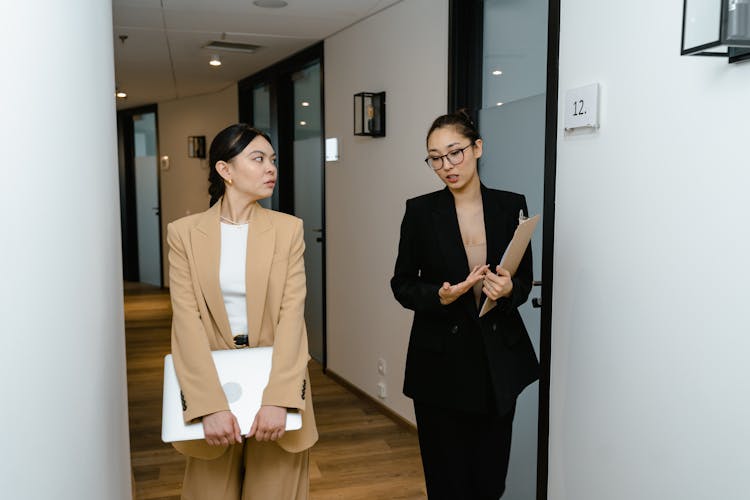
[163, 57]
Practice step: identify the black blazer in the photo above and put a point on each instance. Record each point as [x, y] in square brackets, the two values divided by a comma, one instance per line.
[457, 359]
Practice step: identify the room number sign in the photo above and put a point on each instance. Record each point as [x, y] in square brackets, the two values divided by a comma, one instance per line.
[582, 107]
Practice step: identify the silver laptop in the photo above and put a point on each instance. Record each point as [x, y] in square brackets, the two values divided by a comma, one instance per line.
[243, 374]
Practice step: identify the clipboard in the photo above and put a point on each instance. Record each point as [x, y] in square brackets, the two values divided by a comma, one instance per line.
[513, 254]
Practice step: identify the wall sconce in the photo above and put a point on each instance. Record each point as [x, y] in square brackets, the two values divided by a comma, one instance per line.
[197, 146]
[369, 114]
[716, 28]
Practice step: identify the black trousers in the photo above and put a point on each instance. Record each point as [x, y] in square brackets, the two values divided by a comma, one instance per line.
[464, 455]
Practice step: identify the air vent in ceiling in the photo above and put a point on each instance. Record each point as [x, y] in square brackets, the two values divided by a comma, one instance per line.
[247, 48]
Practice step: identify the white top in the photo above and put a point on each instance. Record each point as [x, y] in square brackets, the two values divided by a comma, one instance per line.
[232, 275]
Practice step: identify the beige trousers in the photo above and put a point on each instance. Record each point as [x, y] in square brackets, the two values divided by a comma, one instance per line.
[249, 471]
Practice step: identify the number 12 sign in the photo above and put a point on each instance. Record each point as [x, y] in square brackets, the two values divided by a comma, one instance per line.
[582, 107]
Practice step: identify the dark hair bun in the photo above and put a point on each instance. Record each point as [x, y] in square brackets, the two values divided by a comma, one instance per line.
[460, 120]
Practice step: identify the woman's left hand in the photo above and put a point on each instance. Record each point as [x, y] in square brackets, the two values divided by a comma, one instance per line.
[269, 424]
[498, 285]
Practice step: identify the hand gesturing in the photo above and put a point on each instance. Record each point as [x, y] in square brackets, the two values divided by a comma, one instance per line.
[448, 293]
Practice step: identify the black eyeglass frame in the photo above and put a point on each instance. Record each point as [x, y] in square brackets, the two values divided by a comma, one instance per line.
[445, 157]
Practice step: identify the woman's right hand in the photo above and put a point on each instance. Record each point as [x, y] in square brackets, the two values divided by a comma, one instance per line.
[221, 428]
[449, 293]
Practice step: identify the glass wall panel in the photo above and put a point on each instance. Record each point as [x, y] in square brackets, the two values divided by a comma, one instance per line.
[512, 123]
[308, 199]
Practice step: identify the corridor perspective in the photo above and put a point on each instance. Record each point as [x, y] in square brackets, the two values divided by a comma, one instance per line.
[361, 454]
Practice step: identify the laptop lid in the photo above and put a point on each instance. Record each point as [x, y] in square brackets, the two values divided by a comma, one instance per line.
[243, 374]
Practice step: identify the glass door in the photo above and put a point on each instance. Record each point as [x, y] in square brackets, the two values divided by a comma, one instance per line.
[286, 101]
[512, 121]
[139, 195]
[308, 195]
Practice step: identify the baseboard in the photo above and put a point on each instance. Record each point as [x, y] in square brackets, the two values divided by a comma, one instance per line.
[363, 395]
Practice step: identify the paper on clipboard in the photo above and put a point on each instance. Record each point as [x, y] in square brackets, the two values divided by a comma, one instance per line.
[513, 254]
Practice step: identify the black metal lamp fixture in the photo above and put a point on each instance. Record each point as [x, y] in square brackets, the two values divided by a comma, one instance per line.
[716, 28]
[369, 114]
[197, 146]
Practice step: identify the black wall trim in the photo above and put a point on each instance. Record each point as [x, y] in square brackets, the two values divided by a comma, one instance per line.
[548, 244]
[465, 47]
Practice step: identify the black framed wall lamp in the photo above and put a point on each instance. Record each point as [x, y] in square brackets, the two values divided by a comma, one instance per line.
[369, 114]
[197, 146]
[719, 28]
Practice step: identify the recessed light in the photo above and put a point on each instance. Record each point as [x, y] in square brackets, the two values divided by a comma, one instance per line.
[270, 4]
[215, 60]
[497, 72]
[305, 104]
[303, 123]
[120, 94]
[499, 104]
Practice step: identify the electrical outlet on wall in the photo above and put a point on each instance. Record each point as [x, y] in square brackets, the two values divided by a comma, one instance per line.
[382, 393]
[381, 366]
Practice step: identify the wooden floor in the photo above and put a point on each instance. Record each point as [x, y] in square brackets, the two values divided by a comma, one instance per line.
[362, 454]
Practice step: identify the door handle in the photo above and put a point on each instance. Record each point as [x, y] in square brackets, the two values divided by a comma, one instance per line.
[536, 302]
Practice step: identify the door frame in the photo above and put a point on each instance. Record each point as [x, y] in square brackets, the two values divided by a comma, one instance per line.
[282, 126]
[126, 172]
[465, 65]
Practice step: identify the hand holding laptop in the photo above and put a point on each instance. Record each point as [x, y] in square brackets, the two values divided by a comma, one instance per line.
[221, 428]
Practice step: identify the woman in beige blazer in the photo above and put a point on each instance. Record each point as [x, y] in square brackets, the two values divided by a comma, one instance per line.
[268, 463]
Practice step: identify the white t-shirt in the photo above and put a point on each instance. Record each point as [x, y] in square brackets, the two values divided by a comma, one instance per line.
[232, 275]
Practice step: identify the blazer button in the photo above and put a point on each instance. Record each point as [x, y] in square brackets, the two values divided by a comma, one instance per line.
[454, 329]
[494, 327]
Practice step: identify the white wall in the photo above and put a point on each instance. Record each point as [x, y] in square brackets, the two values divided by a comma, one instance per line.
[402, 51]
[62, 362]
[184, 186]
[650, 337]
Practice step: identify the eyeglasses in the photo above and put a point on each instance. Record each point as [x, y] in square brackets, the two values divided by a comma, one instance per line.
[454, 158]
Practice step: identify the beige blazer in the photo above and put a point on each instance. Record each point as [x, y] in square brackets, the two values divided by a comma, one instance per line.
[275, 280]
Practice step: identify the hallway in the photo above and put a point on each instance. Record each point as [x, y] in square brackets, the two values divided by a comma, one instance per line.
[361, 454]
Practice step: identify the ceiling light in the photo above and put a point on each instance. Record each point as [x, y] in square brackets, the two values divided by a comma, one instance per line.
[215, 60]
[499, 104]
[120, 94]
[271, 4]
[305, 104]
[303, 123]
[497, 72]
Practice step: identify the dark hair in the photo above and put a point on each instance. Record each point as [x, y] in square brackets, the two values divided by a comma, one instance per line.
[226, 145]
[460, 120]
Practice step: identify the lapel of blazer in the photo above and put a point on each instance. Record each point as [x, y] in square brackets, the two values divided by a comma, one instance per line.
[451, 243]
[261, 240]
[205, 238]
[492, 224]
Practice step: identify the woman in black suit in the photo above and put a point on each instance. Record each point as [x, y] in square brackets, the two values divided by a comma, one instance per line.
[462, 371]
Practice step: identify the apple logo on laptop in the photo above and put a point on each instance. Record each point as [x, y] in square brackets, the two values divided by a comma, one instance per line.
[233, 391]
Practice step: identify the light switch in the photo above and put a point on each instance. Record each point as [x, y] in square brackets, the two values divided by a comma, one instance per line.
[332, 149]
